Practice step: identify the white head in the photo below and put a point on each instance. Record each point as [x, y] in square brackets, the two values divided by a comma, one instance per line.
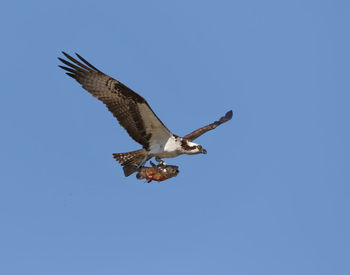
[192, 148]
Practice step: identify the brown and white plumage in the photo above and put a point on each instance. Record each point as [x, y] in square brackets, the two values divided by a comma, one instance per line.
[135, 115]
[126, 105]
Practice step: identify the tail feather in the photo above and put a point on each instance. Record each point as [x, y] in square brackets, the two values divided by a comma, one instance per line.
[130, 160]
[130, 169]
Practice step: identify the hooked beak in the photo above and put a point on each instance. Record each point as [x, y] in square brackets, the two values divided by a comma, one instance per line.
[204, 151]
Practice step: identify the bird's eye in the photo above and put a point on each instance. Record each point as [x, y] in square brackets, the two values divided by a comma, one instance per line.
[199, 147]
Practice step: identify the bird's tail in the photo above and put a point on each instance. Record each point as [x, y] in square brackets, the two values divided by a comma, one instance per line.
[130, 160]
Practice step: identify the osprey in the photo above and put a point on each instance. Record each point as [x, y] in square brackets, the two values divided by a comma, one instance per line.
[136, 116]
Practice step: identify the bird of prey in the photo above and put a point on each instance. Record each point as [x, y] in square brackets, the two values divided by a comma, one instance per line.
[136, 116]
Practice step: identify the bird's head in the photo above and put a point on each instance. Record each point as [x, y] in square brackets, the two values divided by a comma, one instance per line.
[192, 148]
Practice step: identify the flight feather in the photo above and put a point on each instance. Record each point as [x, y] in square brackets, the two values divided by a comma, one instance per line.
[131, 109]
[197, 133]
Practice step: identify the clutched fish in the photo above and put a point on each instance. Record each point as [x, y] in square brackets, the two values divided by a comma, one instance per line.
[159, 172]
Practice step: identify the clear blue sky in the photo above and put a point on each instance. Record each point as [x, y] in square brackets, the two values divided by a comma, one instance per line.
[270, 197]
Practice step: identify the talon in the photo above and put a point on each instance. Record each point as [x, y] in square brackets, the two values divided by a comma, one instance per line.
[158, 159]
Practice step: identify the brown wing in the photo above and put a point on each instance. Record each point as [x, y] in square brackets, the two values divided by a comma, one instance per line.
[195, 134]
[131, 110]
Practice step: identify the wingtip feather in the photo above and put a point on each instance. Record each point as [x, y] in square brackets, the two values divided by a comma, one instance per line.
[229, 114]
[71, 75]
[86, 62]
[66, 54]
[224, 118]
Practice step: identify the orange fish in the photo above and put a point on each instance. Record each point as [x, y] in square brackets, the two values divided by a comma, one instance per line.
[158, 172]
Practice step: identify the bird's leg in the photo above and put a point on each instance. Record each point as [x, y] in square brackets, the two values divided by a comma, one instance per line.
[142, 163]
[160, 161]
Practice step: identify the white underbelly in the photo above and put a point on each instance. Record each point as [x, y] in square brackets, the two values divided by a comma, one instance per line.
[170, 149]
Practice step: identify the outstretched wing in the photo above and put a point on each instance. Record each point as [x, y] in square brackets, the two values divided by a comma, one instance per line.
[195, 134]
[131, 110]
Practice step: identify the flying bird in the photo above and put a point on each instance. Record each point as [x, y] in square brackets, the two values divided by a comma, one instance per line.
[136, 116]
